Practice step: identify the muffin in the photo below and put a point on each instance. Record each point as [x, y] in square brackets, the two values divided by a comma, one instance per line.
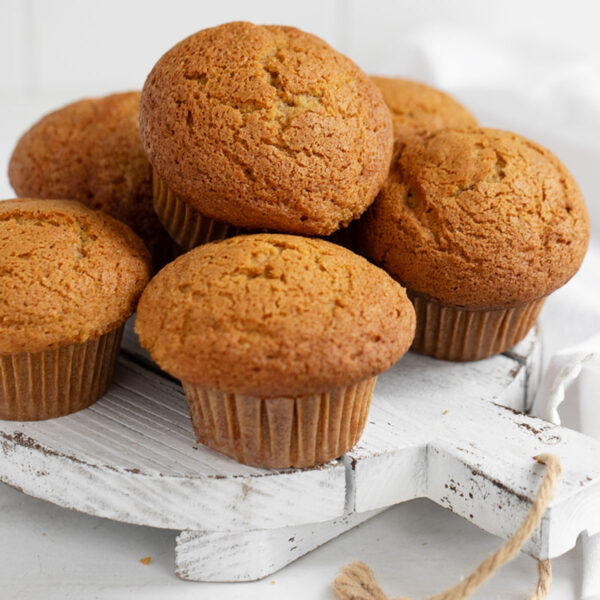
[261, 128]
[277, 340]
[418, 109]
[69, 278]
[480, 225]
[90, 151]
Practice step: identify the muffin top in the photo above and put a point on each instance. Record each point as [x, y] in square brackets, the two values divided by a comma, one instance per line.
[90, 151]
[67, 274]
[479, 219]
[266, 127]
[418, 109]
[272, 314]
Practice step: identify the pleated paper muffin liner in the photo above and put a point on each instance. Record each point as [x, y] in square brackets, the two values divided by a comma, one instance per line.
[457, 334]
[278, 433]
[183, 223]
[59, 381]
[164, 251]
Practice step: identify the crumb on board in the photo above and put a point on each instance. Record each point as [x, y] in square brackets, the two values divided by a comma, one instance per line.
[273, 582]
[446, 412]
[146, 560]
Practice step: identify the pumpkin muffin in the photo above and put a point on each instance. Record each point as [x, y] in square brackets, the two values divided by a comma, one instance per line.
[278, 340]
[480, 225]
[418, 109]
[90, 151]
[261, 127]
[69, 278]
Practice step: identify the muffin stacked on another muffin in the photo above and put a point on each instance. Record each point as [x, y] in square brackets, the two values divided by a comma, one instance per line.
[480, 225]
[90, 151]
[70, 277]
[261, 127]
[418, 109]
[277, 340]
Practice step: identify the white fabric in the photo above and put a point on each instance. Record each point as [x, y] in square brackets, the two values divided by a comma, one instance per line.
[569, 316]
[565, 366]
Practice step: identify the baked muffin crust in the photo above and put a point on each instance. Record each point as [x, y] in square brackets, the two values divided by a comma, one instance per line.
[90, 151]
[419, 109]
[266, 127]
[274, 315]
[68, 274]
[479, 219]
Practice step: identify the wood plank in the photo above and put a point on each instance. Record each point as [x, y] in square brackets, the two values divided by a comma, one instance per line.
[133, 457]
[476, 459]
[216, 556]
[435, 429]
[529, 353]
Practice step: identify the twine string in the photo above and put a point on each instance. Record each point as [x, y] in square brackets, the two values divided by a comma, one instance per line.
[358, 582]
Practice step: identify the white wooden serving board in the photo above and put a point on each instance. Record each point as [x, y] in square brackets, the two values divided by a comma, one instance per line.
[450, 432]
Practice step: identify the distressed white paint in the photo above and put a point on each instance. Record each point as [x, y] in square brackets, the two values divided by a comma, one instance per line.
[390, 460]
[216, 556]
[132, 457]
[432, 432]
[529, 353]
[476, 458]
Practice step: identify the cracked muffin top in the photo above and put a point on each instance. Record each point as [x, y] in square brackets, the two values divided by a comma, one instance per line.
[91, 151]
[274, 315]
[418, 109]
[479, 219]
[266, 127]
[68, 274]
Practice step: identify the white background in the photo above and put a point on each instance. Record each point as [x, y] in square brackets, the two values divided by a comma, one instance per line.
[528, 65]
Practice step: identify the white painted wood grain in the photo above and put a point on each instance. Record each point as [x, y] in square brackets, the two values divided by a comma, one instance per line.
[209, 556]
[476, 458]
[436, 429]
[133, 457]
[252, 555]
[529, 352]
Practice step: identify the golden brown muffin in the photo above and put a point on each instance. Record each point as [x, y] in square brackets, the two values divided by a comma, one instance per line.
[418, 109]
[264, 127]
[90, 151]
[278, 321]
[477, 221]
[69, 278]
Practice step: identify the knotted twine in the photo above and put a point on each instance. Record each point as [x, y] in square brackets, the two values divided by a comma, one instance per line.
[358, 582]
